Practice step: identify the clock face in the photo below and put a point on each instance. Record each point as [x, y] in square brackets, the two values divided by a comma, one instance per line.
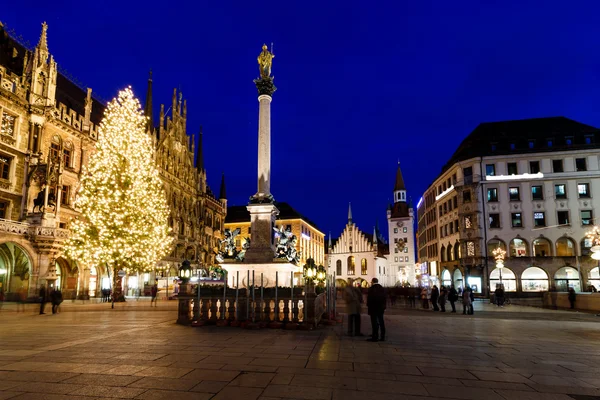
[400, 224]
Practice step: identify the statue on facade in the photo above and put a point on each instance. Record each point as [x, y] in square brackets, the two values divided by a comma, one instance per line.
[265, 62]
[286, 245]
[245, 246]
[38, 202]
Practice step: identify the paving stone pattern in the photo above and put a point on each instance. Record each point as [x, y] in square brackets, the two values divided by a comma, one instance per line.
[91, 352]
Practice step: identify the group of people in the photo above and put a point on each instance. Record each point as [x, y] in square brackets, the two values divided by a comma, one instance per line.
[438, 298]
[376, 304]
[55, 296]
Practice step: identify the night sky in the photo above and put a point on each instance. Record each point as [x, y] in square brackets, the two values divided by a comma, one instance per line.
[360, 85]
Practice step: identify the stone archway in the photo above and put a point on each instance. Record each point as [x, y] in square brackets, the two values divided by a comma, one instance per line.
[15, 271]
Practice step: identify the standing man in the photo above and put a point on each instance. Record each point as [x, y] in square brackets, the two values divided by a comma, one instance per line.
[42, 299]
[435, 296]
[352, 297]
[154, 292]
[452, 297]
[376, 307]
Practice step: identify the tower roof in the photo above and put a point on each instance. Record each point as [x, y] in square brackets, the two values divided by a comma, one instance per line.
[222, 193]
[43, 42]
[349, 213]
[200, 155]
[148, 105]
[399, 180]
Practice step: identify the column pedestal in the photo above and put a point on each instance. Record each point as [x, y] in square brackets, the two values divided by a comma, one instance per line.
[262, 248]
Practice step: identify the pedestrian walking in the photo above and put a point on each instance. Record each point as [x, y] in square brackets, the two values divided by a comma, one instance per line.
[376, 308]
[452, 297]
[154, 292]
[413, 293]
[353, 298]
[442, 300]
[572, 297]
[56, 298]
[435, 296]
[21, 297]
[43, 299]
[466, 299]
[499, 295]
[424, 300]
[472, 298]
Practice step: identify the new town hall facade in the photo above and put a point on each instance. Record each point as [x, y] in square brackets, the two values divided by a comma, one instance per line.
[48, 131]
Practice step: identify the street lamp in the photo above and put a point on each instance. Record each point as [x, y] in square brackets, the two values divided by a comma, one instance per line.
[185, 271]
[321, 274]
[499, 255]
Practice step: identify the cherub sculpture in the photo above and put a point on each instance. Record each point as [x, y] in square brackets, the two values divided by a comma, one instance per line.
[227, 247]
[286, 245]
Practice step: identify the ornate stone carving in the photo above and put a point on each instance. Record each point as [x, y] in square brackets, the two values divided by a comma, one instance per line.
[265, 86]
[8, 140]
[286, 245]
[18, 228]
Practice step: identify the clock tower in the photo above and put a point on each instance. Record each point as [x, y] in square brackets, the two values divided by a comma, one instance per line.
[400, 218]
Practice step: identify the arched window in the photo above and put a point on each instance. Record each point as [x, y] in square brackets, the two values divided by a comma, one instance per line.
[457, 251]
[458, 279]
[593, 278]
[55, 147]
[493, 244]
[449, 253]
[68, 154]
[518, 248]
[565, 247]
[93, 281]
[350, 269]
[534, 279]
[443, 253]
[338, 267]
[509, 280]
[565, 278]
[363, 266]
[542, 247]
[446, 278]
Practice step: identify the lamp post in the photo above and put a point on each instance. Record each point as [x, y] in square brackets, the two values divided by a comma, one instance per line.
[499, 255]
[185, 273]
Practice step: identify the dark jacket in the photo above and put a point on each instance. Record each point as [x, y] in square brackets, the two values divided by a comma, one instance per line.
[435, 295]
[453, 295]
[376, 299]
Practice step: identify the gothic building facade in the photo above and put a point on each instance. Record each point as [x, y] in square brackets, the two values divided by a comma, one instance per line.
[360, 256]
[48, 130]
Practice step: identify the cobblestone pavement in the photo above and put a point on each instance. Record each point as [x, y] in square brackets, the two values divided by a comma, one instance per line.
[91, 352]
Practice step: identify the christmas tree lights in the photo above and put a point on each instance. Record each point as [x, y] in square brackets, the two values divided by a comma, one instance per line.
[124, 212]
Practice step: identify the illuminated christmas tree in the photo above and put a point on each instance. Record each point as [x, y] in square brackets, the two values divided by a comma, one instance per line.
[124, 212]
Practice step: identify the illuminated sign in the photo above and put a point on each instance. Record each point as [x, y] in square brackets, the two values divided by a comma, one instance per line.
[445, 192]
[524, 176]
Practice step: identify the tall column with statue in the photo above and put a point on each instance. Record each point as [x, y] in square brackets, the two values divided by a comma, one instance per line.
[262, 210]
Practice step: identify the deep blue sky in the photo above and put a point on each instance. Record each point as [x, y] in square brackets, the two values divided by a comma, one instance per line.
[360, 84]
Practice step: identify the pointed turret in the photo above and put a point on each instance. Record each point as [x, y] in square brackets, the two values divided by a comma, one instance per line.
[399, 188]
[222, 192]
[43, 42]
[329, 244]
[349, 213]
[43, 73]
[374, 235]
[148, 106]
[200, 156]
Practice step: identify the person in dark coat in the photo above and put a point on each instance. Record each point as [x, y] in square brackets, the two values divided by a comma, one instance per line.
[499, 296]
[442, 300]
[452, 297]
[572, 297]
[56, 298]
[376, 307]
[43, 299]
[435, 296]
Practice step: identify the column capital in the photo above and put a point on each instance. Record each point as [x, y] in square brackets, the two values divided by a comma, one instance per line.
[265, 86]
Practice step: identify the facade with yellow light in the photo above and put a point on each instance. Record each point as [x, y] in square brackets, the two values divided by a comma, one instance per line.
[311, 241]
[528, 187]
[48, 131]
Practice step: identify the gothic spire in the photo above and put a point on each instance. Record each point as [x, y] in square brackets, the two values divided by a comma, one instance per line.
[148, 107]
[399, 180]
[200, 156]
[329, 245]
[43, 42]
[374, 235]
[349, 213]
[222, 193]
